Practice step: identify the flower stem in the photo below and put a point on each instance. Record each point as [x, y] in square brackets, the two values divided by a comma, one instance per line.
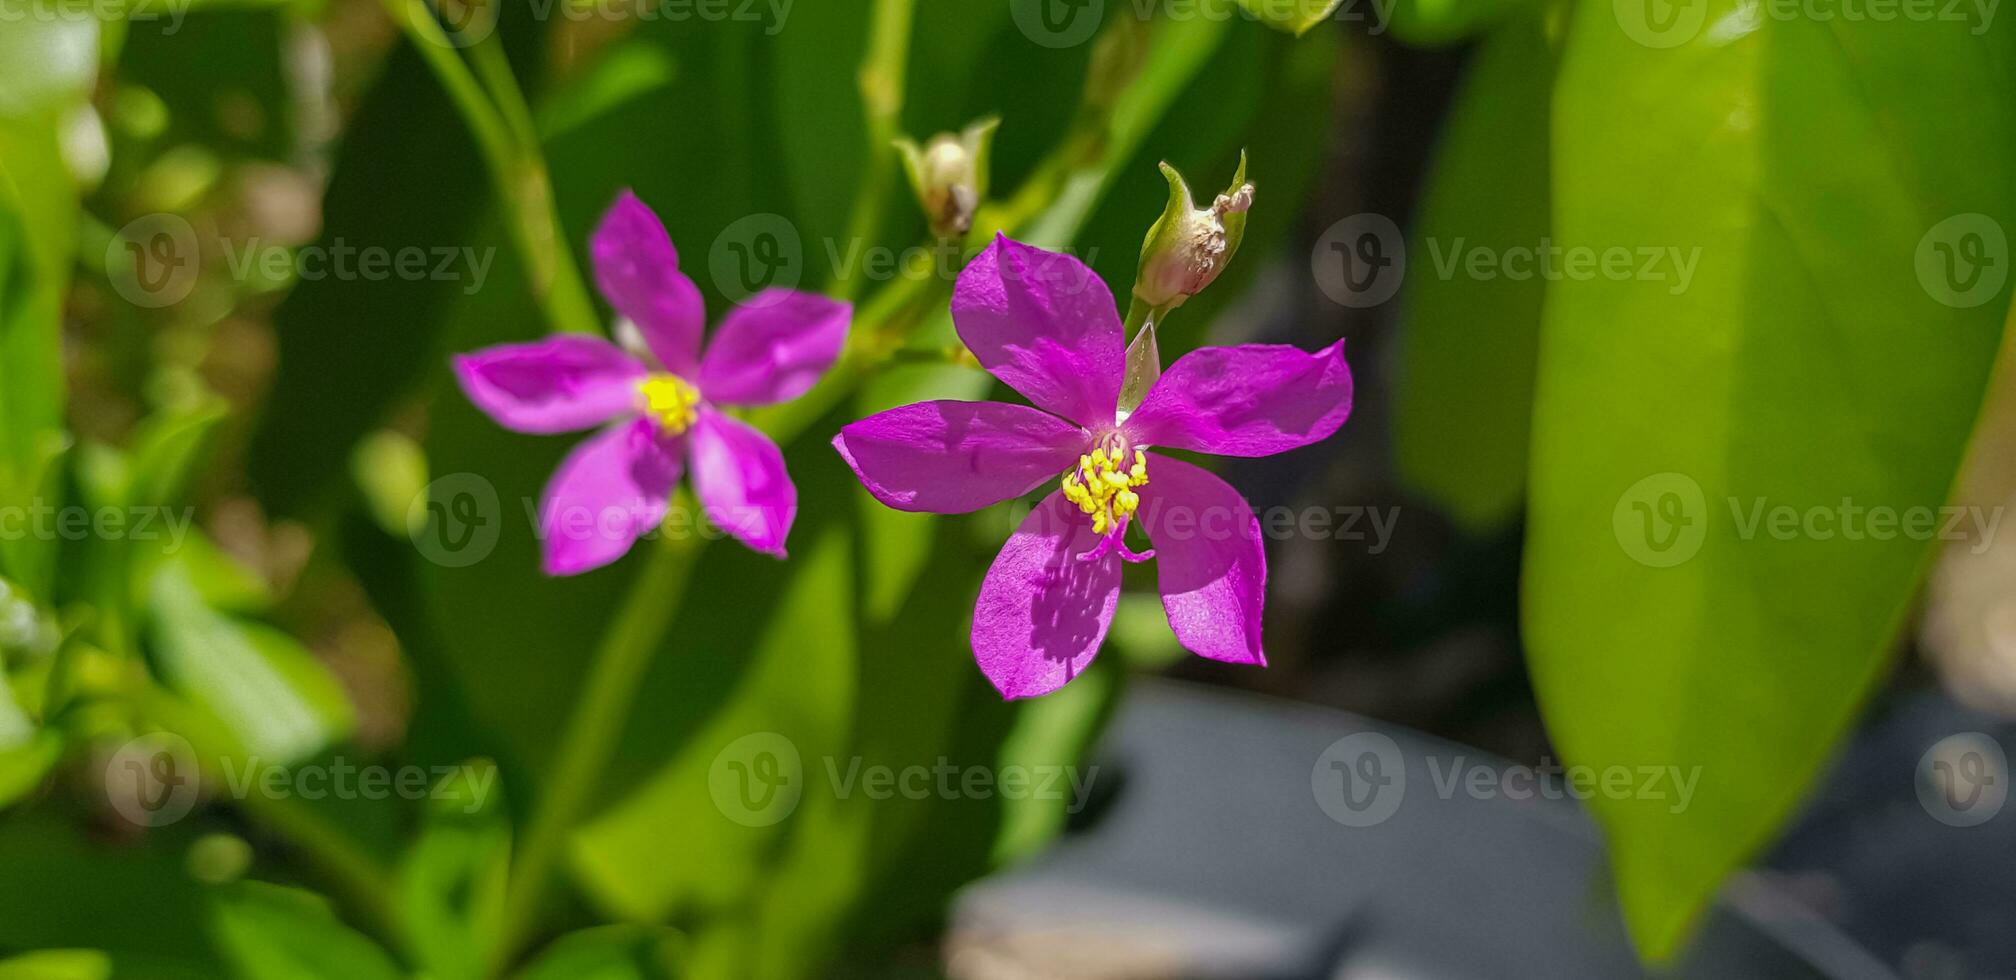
[591, 734]
[881, 80]
[501, 123]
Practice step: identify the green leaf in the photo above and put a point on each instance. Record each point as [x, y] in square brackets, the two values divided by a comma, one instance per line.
[452, 880]
[1294, 16]
[276, 699]
[1825, 350]
[1470, 342]
[24, 764]
[1435, 23]
[268, 930]
[618, 952]
[57, 964]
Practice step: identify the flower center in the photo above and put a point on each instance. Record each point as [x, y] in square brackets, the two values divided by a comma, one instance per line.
[670, 401]
[1103, 487]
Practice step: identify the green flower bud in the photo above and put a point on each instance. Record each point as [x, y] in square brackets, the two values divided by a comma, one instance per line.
[949, 174]
[1189, 246]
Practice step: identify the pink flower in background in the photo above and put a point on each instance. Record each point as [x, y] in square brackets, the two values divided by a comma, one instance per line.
[1046, 326]
[661, 404]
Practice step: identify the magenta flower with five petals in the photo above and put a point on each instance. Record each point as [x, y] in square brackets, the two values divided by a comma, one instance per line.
[660, 403]
[1046, 326]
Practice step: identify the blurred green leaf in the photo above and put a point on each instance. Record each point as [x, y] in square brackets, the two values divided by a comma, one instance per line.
[67, 890]
[57, 964]
[1294, 16]
[407, 177]
[278, 701]
[1433, 23]
[1826, 353]
[796, 700]
[452, 879]
[268, 931]
[1470, 342]
[242, 103]
[618, 952]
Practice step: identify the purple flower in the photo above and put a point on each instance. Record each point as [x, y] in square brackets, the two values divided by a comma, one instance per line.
[1045, 325]
[661, 403]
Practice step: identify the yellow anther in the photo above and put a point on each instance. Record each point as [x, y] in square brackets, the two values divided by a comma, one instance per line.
[1102, 487]
[670, 401]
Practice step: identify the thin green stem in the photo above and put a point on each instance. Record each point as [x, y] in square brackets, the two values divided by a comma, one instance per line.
[882, 80]
[591, 734]
[501, 123]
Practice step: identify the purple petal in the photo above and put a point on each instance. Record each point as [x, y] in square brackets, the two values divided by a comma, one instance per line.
[949, 457]
[638, 270]
[560, 384]
[742, 483]
[774, 347]
[1042, 613]
[612, 488]
[1210, 559]
[1255, 400]
[1045, 325]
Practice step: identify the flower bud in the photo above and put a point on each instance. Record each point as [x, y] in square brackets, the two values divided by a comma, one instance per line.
[1189, 246]
[949, 174]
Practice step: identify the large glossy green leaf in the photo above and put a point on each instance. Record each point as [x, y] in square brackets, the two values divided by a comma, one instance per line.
[1828, 353]
[1471, 337]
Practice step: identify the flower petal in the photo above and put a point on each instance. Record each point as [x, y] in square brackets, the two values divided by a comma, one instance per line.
[638, 270]
[1045, 325]
[742, 483]
[1042, 613]
[560, 384]
[774, 347]
[949, 457]
[1254, 400]
[1210, 559]
[612, 488]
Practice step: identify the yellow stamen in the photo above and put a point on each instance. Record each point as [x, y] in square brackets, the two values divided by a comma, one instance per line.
[670, 401]
[1103, 489]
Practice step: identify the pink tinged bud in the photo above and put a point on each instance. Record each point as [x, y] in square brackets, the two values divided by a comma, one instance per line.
[1189, 246]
